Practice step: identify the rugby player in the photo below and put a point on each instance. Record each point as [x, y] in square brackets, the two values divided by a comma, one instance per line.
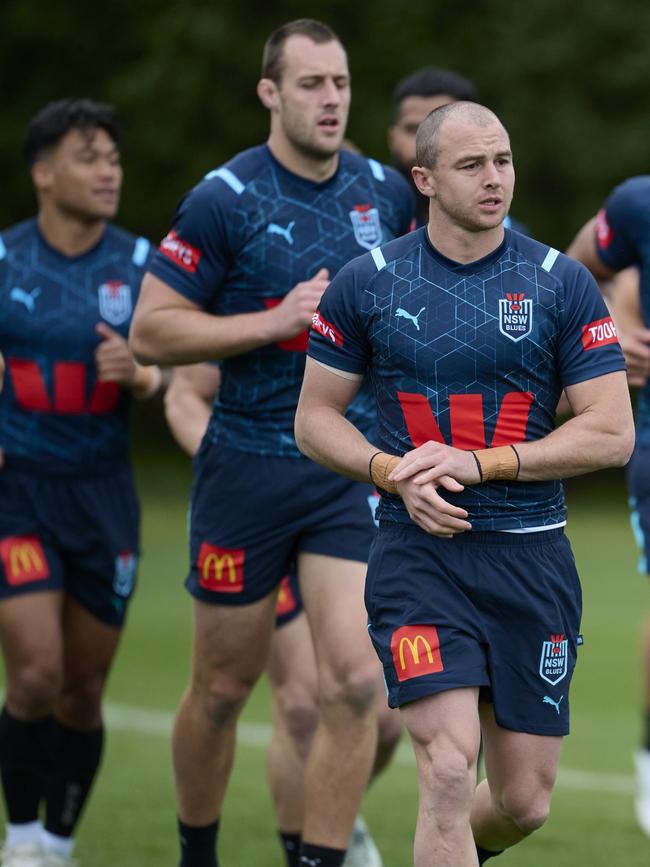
[615, 240]
[69, 522]
[238, 278]
[469, 332]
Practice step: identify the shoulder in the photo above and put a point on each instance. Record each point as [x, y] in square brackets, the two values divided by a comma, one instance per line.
[384, 258]
[15, 236]
[560, 268]
[135, 247]
[378, 172]
[630, 199]
[230, 180]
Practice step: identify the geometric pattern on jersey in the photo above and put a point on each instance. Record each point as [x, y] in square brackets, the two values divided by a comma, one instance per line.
[242, 239]
[54, 415]
[623, 239]
[472, 355]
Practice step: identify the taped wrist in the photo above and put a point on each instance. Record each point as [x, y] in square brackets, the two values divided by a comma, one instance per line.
[501, 463]
[380, 467]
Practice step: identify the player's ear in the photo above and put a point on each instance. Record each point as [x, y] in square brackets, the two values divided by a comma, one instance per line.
[267, 90]
[42, 175]
[423, 180]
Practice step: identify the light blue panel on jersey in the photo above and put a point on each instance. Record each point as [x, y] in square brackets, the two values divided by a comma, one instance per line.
[378, 256]
[3, 249]
[228, 178]
[140, 252]
[377, 170]
[550, 259]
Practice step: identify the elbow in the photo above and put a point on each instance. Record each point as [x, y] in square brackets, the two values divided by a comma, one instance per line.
[300, 433]
[625, 447]
[142, 348]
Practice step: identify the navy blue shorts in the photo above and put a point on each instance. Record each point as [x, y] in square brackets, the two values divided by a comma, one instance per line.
[499, 611]
[252, 514]
[638, 483]
[79, 535]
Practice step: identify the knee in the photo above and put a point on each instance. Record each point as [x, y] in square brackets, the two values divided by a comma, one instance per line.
[527, 812]
[33, 687]
[299, 716]
[220, 698]
[79, 704]
[352, 687]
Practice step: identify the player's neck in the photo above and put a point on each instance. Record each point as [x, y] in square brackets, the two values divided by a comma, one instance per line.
[459, 245]
[69, 234]
[312, 168]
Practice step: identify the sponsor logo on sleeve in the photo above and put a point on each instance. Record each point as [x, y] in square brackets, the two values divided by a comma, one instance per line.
[326, 329]
[599, 333]
[221, 570]
[180, 252]
[604, 234]
[24, 560]
[554, 658]
[416, 651]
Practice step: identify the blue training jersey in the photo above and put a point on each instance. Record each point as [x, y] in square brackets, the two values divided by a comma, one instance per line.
[472, 355]
[623, 239]
[55, 417]
[242, 239]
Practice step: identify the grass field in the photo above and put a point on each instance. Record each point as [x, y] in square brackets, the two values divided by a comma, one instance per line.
[130, 820]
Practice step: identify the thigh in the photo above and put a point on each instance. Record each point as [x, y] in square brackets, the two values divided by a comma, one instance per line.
[231, 644]
[332, 590]
[31, 631]
[444, 721]
[516, 762]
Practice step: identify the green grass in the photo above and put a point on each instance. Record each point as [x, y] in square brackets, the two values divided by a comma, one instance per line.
[130, 820]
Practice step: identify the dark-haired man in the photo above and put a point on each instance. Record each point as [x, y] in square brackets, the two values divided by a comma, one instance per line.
[68, 512]
[238, 278]
[469, 333]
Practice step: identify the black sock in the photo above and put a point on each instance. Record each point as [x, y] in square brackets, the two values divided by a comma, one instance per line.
[484, 854]
[646, 741]
[198, 845]
[76, 759]
[24, 764]
[291, 847]
[320, 856]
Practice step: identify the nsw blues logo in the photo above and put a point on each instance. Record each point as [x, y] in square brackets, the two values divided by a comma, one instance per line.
[115, 303]
[515, 316]
[126, 565]
[554, 659]
[367, 226]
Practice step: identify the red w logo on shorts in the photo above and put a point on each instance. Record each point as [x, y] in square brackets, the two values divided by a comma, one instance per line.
[416, 651]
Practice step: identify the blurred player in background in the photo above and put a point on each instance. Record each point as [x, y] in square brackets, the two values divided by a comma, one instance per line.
[616, 242]
[291, 669]
[238, 278]
[69, 517]
[469, 332]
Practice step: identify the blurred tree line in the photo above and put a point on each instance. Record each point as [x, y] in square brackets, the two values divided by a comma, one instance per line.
[569, 79]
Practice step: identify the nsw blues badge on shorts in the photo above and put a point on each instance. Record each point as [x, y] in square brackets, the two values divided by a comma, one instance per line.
[554, 659]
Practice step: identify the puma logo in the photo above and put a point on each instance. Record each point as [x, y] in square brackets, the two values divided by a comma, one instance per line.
[274, 229]
[556, 704]
[26, 298]
[404, 314]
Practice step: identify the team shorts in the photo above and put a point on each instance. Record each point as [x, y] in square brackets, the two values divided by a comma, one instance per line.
[79, 535]
[638, 483]
[251, 515]
[498, 611]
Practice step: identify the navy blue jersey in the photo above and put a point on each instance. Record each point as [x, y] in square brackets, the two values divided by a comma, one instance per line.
[54, 415]
[242, 239]
[472, 355]
[623, 239]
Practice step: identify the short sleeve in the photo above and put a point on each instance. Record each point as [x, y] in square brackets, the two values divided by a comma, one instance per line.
[194, 256]
[338, 335]
[588, 344]
[619, 223]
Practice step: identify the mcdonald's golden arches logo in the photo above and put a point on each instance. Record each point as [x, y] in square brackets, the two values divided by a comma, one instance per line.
[286, 600]
[23, 559]
[221, 570]
[416, 651]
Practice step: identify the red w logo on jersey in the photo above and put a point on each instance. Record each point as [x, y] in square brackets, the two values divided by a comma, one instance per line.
[467, 419]
[69, 396]
[604, 234]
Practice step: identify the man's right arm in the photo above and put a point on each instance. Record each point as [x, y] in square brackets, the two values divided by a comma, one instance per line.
[168, 328]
